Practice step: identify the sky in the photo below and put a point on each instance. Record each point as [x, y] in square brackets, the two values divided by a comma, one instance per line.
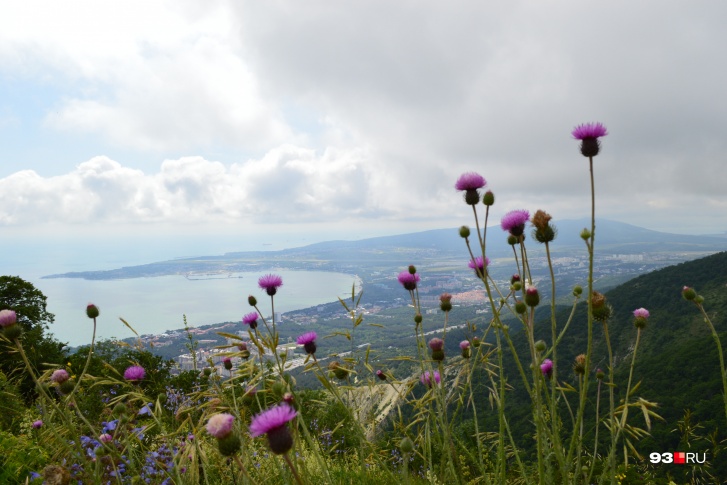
[340, 120]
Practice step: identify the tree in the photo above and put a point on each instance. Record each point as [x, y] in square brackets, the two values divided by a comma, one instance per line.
[30, 306]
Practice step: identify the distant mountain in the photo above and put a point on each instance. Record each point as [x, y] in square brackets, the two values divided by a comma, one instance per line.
[443, 244]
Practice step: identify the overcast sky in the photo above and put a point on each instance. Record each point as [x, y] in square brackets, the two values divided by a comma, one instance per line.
[337, 115]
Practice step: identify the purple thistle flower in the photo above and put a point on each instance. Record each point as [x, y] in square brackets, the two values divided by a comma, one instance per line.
[547, 368]
[408, 281]
[227, 363]
[270, 283]
[641, 313]
[134, 373]
[380, 374]
[270, 419]
[273, 423]
[470, 181]
[589, 133]
[479, 265]
[37, 424]
[60, 376]
[7, 318]
[250, 319]
[308, 341]
[220, 425]
[589, 130]
[465, 344]
[426, 379]
[436, 344]
[105, 438]
[514, 221]
[641, 316]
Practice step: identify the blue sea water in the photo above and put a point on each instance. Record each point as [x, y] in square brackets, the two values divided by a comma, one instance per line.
[153, 305]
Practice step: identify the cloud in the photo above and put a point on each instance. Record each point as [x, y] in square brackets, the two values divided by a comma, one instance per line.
[370, 111]
[146, 77]
[288, 184]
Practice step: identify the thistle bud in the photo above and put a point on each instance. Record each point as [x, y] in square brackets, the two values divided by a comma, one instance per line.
[445, 302]
[465, 347]
[66, 387]
[418, 318]
[92, 311]
[119, 409]
[229, 445]
[13, 332]
[585, 234]
[521, 307]
[476, 342]
[252, 300]
[406, 445]
[489, 198]
[597, 300]
[464, 232]
[689, 293]
[579, 366]
[412, 269]
[544, 232]
[540, 346]
[532, 297]
[437, 346]
[577, 290]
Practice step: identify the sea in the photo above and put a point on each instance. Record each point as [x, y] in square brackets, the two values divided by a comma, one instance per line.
[155, 305]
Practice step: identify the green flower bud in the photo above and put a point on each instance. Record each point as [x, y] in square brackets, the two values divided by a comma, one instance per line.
[532, 297]
[119, 409]
[67, 387]
[13, 332]
[585, 234]
[489, 198]
[464, 232]
[229, 445]
[252, 300]
[406, 445]
[92, 311]
[540, 346]
[689, 293]
[521, 307]
[418, 319]
[577, 290]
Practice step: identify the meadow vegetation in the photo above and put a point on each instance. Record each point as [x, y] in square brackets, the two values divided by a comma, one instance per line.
[538, 393]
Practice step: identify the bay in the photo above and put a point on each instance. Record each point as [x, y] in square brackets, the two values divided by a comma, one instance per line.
[155, 305]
